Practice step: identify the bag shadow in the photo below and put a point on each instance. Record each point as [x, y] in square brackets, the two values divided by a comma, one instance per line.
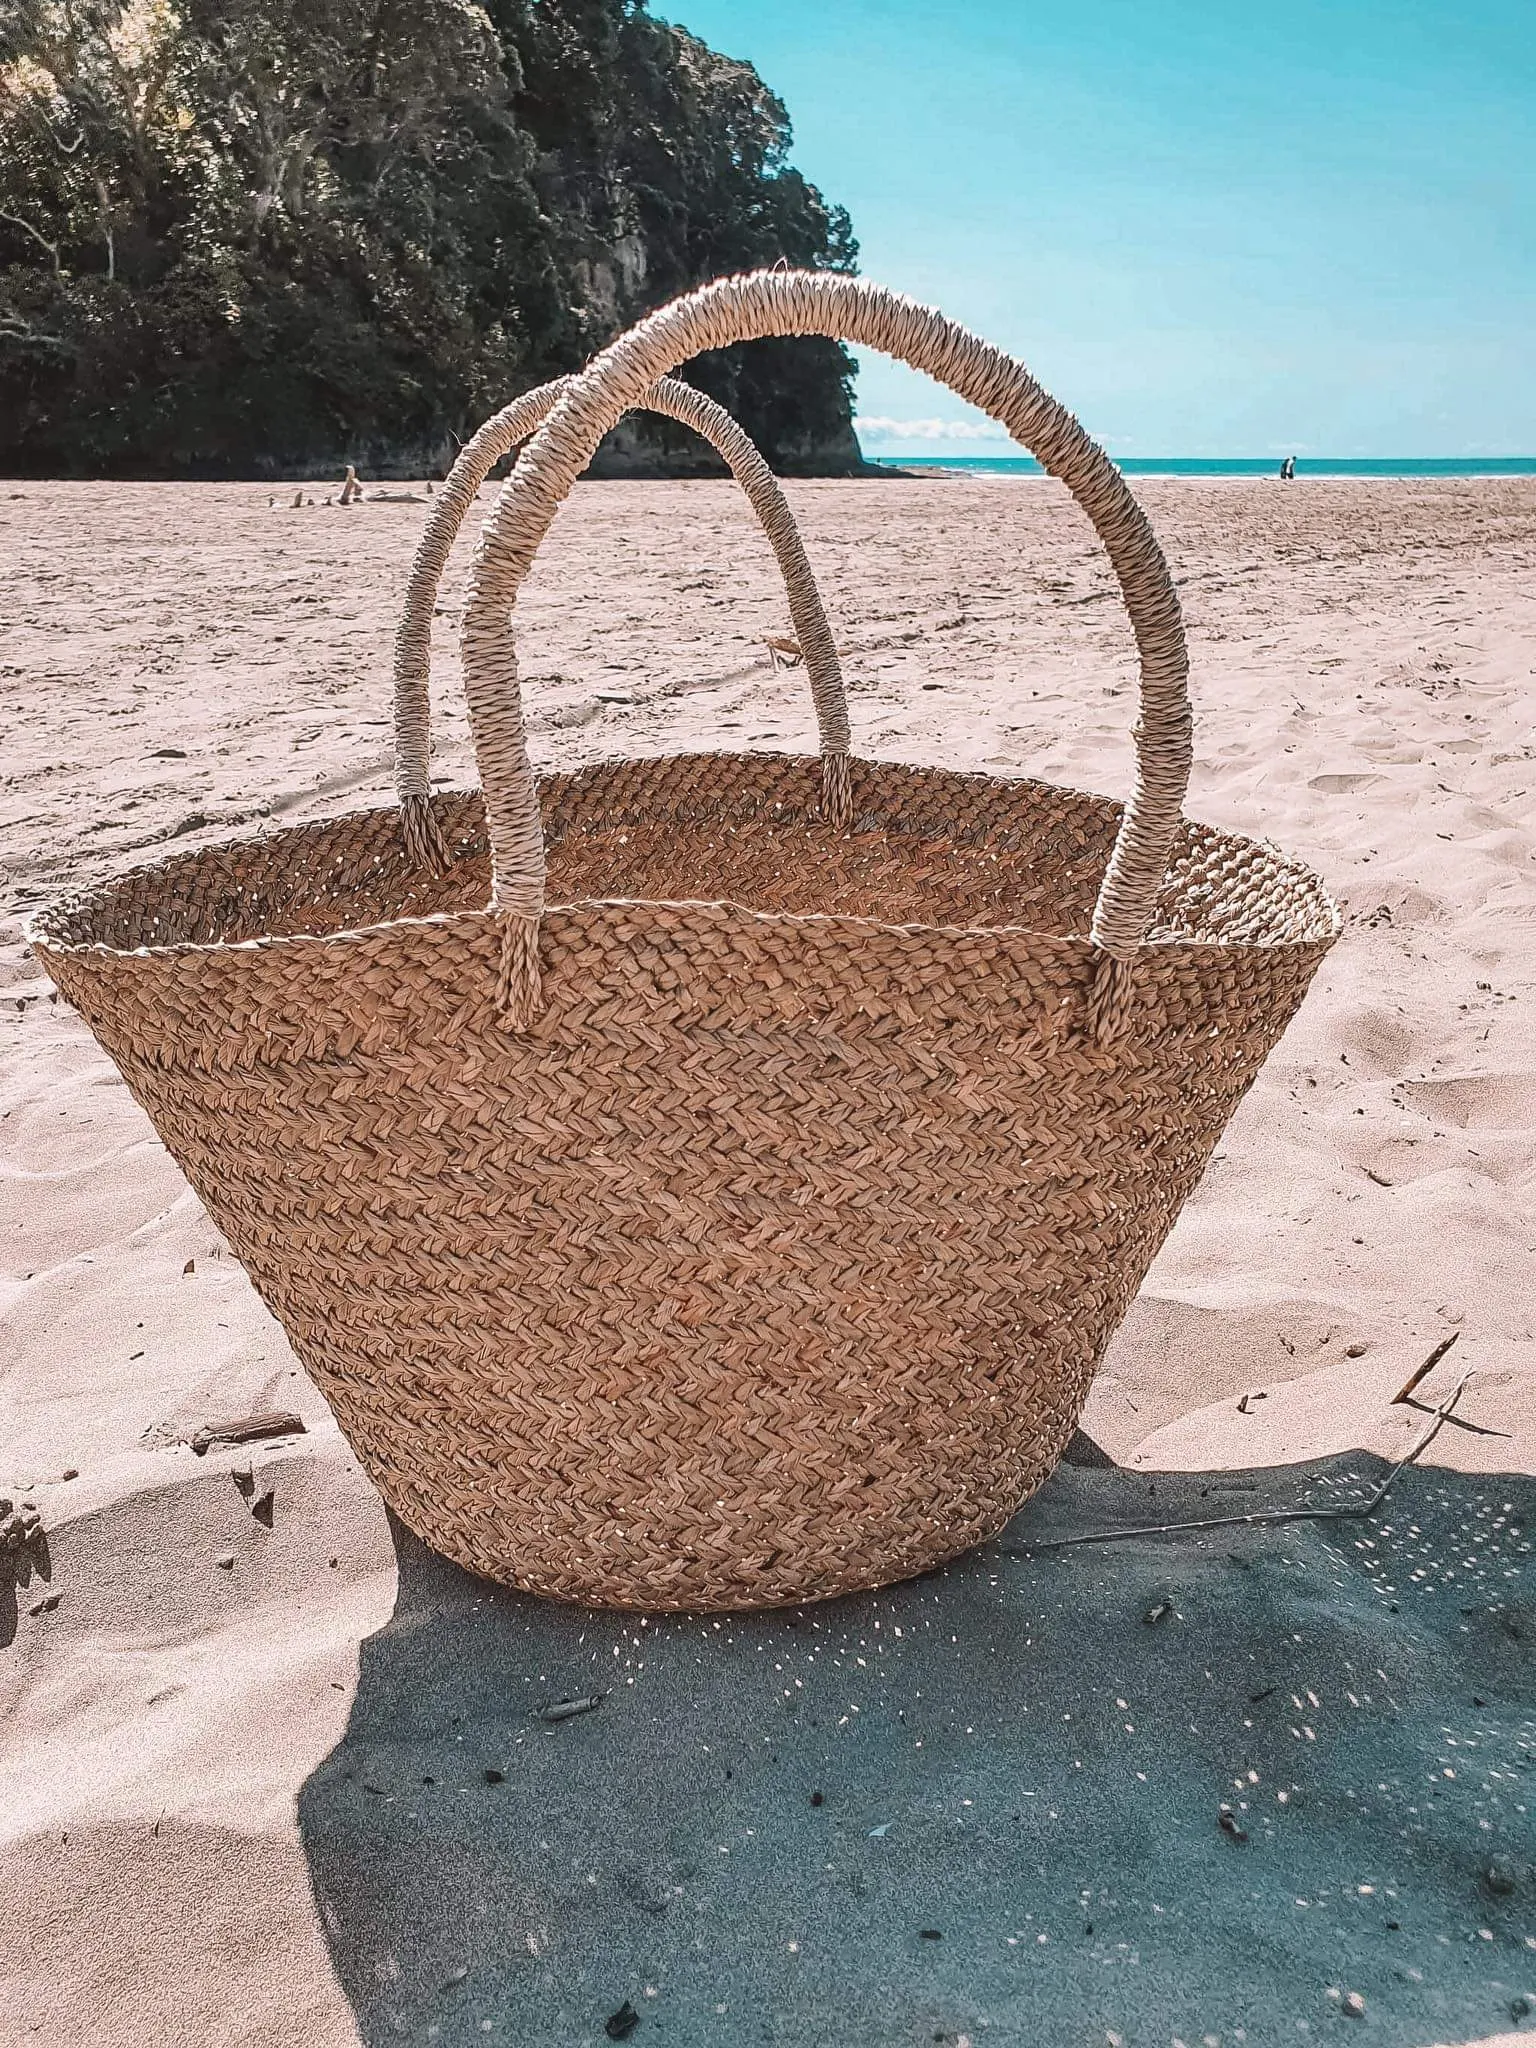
[1169, 1786]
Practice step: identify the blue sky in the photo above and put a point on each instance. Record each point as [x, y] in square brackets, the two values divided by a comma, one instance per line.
[1212, 227]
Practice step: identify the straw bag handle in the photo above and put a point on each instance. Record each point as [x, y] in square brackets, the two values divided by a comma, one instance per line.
[507, 430]
[849, 309]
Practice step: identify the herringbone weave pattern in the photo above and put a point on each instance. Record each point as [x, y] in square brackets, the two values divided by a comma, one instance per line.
[774, 1258]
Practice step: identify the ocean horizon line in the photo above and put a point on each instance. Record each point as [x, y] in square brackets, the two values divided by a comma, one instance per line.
[1239, 465]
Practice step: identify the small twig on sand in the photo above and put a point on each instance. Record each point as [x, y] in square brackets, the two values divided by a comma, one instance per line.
[1425, 1369]
[567, 1710]
[787, 651]
[1356, 1511]
[248, 1429]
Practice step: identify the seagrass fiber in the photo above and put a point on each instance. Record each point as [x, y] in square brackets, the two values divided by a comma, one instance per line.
[775, 1258]
[773, 302]
[689, 1193]
[507, 430]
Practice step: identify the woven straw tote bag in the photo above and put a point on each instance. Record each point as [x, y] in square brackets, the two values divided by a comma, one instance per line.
[688, 1200]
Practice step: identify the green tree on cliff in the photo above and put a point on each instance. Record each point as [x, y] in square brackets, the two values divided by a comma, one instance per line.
[262, 234]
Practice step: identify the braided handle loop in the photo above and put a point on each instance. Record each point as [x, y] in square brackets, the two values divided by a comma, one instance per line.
[509, 429]
[848, 309]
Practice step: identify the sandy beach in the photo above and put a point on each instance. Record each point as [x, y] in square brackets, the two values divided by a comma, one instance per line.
[281, 1778]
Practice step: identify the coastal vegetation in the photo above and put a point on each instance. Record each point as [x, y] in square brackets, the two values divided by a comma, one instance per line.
[241, 237]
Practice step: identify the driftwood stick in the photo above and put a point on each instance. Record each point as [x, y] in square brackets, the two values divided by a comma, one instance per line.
[248, 1429]
[1425, 1369]
[1356, 1511]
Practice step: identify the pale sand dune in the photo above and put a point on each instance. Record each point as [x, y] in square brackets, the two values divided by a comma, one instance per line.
[215, 1824]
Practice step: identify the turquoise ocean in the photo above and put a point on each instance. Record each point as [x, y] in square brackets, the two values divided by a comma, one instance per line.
[1242, 465]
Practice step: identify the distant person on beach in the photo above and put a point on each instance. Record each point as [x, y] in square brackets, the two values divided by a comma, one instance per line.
[1288, 470]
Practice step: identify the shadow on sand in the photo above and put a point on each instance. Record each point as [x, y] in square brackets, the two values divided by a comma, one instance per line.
[24, 1578]
[985, 1806]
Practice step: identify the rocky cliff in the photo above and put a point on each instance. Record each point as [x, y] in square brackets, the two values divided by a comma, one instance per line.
[262, 237]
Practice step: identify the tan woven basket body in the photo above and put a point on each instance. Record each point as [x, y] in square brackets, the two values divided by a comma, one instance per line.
[741, 1221]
